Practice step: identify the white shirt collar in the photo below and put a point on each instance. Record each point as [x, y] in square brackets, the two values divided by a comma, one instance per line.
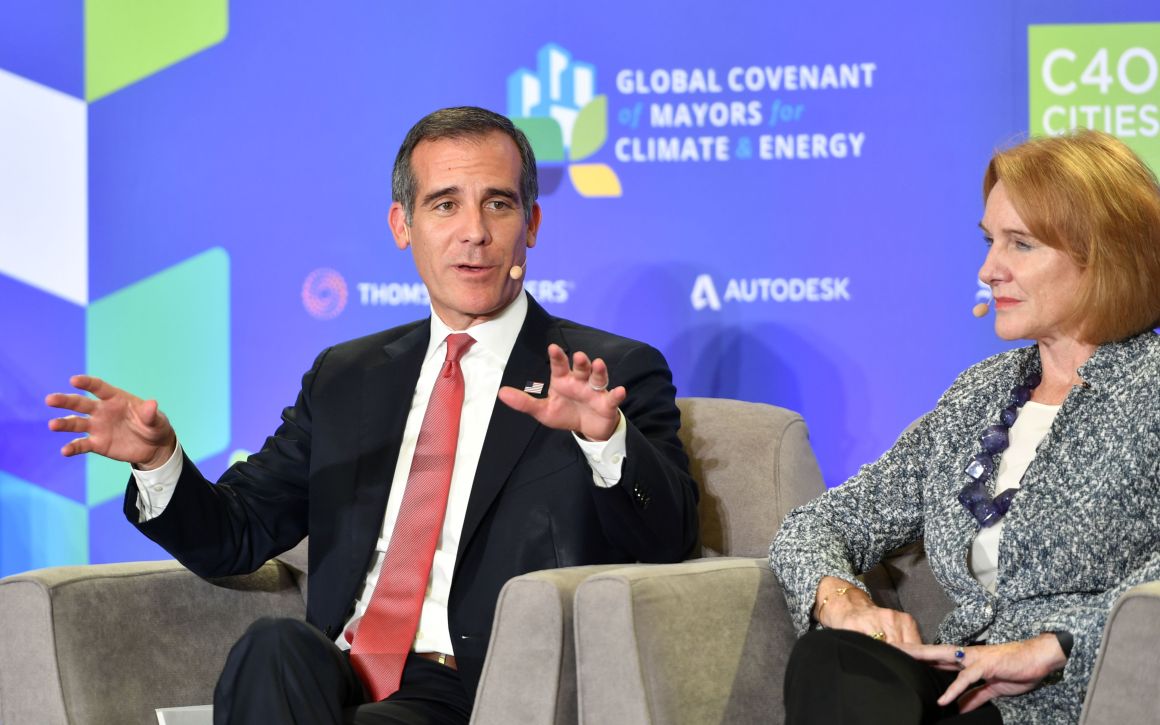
[495, 337]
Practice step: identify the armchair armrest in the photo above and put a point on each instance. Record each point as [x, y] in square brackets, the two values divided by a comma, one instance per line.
[703, 641]
[1125, 684]
[109, 643]
[529, 675]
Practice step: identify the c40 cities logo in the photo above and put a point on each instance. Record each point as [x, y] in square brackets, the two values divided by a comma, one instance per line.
[1102, 77]
[566, 122]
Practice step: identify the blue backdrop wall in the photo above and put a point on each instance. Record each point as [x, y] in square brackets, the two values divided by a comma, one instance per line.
[781, 196]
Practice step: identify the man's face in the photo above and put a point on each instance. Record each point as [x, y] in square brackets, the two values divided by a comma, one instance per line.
[468, 227]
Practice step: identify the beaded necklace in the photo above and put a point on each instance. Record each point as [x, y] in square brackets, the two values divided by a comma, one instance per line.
[974, 496]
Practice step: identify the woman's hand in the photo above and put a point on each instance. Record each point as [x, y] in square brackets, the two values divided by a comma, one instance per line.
[852, 609]
[1005, 669]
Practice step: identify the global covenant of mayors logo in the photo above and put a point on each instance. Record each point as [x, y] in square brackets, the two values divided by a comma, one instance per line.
[1102, 77]
[732, 113]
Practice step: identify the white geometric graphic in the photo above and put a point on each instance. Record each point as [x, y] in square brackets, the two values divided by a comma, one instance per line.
[558, 89]
[43, 188]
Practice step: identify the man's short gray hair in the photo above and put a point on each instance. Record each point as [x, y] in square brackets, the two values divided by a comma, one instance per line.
[461, 122]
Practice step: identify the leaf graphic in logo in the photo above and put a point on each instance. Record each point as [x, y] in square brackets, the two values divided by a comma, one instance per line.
[545, 136]
[591, 129]
[594, 180]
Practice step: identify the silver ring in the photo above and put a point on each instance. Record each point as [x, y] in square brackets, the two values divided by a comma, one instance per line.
[600, 388]
[959, 655]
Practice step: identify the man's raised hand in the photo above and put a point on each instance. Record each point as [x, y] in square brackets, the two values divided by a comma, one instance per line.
[117, 424]
[578, 397]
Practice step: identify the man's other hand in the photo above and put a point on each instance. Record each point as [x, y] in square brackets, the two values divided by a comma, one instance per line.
[578, 397]
[118, 424]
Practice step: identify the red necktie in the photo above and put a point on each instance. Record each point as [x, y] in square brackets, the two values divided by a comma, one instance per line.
[387, 630]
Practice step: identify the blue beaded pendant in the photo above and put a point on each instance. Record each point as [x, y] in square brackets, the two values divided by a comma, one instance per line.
[994, 440]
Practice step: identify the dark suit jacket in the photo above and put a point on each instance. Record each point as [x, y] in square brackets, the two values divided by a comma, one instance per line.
[326, 472]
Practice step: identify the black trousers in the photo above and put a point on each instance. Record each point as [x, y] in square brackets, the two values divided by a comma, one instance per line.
[837, 677]
[286, 671]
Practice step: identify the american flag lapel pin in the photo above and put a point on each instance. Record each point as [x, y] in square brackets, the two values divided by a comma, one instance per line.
[534, 388]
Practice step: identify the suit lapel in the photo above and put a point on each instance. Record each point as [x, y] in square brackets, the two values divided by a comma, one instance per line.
[387, 390]
[509, 431]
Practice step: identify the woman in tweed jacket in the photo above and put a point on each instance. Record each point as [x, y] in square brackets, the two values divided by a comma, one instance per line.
[1073, 229]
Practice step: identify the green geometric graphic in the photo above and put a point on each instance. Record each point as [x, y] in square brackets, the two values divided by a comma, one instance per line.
[545, 136]
[185, 312]
[1104, 77]
[591, 129]
[39, 528]
[127, 40]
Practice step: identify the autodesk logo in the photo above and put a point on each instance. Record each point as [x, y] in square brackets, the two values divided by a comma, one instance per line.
[769, 289]
[705, 294]
[557, 107]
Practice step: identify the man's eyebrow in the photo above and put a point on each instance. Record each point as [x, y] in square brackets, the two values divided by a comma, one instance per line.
[445, 191]
[506, 193]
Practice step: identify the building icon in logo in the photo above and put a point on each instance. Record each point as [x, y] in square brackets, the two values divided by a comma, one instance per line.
[558, 108]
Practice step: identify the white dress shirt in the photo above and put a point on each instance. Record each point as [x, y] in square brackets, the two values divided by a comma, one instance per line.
[483, 366]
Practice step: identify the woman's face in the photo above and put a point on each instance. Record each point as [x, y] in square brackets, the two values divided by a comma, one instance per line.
[1034, 285]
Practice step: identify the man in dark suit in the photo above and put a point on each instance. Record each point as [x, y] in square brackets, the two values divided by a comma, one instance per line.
[573, 464]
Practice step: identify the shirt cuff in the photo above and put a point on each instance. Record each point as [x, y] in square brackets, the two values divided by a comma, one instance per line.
[606, 458]
[155, 488]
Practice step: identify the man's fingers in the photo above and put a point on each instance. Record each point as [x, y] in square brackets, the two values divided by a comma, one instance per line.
[69, 424]
[76, 447]
[599, 377]
[70, 401]
[148, 413]
[581, 366]
[616, 396]
[519, 400]
[96, 386]
[557, 361]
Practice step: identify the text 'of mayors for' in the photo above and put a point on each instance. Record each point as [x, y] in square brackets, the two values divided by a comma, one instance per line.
[766, 147]
[747, 79]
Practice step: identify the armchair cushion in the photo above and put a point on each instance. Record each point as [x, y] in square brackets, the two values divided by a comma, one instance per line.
[1125, 683]
[529, 676]
[109, 643]
[754, 464]
[699, 642]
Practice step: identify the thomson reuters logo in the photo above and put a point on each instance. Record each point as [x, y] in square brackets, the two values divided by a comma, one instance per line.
[403, 294]
[768, 289]
[324, 294]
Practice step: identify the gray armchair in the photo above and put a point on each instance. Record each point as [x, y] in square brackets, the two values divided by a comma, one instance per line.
[108, 644]
[755, 464]
[707, 642]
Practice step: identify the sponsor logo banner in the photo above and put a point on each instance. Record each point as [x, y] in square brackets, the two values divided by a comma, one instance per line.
[707, 295]
[1104, 77]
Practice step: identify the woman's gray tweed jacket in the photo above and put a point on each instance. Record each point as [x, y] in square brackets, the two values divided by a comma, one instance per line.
[1084, 528]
